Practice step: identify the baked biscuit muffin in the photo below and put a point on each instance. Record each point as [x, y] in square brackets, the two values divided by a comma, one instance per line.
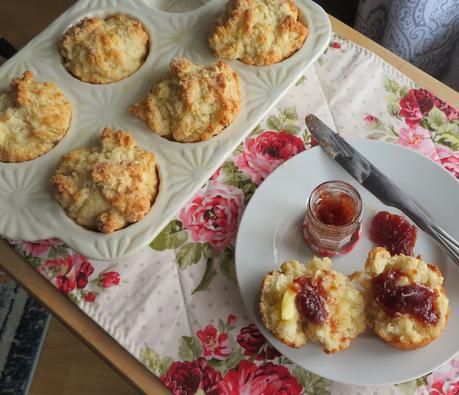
[109, 186]
[407, 305]
[101, 51]
[193, 104]
[34, 116]
[312, 302]
[258, 32]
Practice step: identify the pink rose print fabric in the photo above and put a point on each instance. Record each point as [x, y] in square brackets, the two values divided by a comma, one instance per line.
[431, 125]
[449, 159]
[71, 272]
[65, 284]
[37, 249]
[59, 266]
[186, 378]
[90, 297]
[371, 121]
[82, 274]
[417, 139]
[443, 382]
[255, 344]
[416, 104]
[109, 279]
[218, 367]
[214, 214]
[265, 152]
[214, 345]
[269, 379]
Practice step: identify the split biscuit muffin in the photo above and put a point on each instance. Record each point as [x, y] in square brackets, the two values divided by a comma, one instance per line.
[107, 50]
[311, 301]
[194, 103]
[258, 32]
[34, 117]
[109, 186]
[407, 305]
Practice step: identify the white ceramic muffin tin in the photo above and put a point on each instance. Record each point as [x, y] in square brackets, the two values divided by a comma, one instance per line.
[28, 209]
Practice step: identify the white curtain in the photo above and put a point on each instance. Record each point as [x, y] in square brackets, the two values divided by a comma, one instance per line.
[424, 32]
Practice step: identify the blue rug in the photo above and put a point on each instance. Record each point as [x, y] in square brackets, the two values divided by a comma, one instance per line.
[23, 325]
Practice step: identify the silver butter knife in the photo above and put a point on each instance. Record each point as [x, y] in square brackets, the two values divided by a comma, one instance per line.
[377, 183]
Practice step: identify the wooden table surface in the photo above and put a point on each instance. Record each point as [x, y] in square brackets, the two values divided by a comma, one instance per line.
[66, 367]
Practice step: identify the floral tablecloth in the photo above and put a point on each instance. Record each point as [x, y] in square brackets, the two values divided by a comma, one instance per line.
[175, 305]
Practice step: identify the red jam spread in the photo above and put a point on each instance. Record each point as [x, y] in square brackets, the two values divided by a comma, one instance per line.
[310, 301]
[412, 299]
[393, 232]
[335, 209]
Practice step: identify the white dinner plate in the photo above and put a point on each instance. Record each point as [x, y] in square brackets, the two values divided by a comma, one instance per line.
[270, 233]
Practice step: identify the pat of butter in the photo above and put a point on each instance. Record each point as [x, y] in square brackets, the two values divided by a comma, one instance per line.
[288, 307]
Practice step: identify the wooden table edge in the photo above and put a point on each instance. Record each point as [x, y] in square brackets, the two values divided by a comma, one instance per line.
[87, 330]
[84, 327]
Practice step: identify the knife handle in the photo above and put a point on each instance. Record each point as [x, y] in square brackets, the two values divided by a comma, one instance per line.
[446, 241]
[449, 244]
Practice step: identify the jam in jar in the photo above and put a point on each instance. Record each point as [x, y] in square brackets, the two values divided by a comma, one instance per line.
[333, 219]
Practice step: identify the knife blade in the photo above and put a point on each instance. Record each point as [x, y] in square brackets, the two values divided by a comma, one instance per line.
[372, 179]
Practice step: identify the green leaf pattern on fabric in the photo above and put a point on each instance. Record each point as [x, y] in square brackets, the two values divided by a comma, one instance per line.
[189, 348]
[410, 387]
[188, 254]
[207, 278]
[158, 365]
[311, 383]
[286, 121]
[171, 237]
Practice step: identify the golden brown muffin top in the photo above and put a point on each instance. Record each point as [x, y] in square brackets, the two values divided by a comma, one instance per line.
[258, 32]
[101, 51]
[193, 104]
[325, 289]
[402, 330]
[109, 186]
[34, 116]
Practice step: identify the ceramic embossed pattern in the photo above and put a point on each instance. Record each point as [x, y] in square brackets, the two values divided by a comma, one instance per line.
[183, 168]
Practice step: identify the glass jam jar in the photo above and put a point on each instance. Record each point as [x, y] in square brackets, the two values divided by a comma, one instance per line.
[333, 218]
